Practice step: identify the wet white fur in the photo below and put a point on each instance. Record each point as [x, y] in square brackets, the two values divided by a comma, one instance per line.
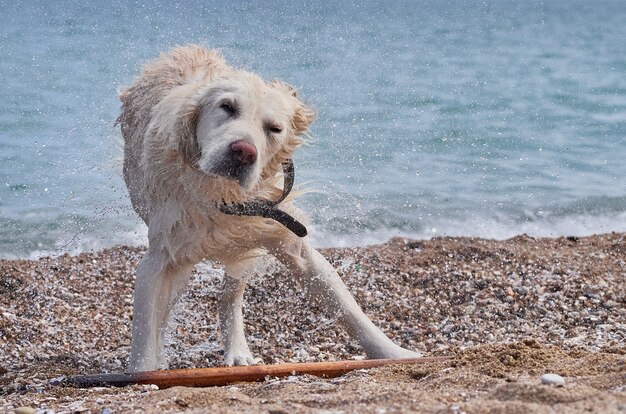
[174, 132]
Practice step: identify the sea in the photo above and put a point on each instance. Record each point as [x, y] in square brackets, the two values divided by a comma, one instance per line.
[434, 118]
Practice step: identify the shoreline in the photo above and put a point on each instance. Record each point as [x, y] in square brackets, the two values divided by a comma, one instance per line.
[137, 237]
[481, 301]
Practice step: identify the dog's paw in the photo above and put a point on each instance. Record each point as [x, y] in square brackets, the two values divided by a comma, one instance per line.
[241, 358]
[393, 352]
[405, 353]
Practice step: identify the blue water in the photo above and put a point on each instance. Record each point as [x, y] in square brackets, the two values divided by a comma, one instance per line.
[434, 118]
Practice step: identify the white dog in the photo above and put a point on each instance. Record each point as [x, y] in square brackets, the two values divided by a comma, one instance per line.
[206, 149]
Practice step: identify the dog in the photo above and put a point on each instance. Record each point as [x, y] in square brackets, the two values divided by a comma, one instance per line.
[200, 137]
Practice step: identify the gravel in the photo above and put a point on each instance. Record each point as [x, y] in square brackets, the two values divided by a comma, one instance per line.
[69, 315]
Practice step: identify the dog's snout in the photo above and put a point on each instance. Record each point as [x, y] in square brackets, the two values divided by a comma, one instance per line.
[244, 152]
[238, 161]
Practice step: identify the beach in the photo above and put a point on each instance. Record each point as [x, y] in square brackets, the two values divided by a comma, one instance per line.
[505, 312]
[464, 175]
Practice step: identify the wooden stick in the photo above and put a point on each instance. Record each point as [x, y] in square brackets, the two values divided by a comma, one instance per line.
[207, 377]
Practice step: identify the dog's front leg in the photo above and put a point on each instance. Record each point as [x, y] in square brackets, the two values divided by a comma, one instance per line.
[157, 287]
[229, 308]
[324, 287]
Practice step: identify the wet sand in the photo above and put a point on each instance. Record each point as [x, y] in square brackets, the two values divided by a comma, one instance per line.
[506, 312]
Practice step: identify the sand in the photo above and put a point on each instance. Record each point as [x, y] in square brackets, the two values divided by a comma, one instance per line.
[506, 312]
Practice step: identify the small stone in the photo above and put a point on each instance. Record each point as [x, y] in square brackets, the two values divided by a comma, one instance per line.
[57, 380]
[553, 379]
[25, 410]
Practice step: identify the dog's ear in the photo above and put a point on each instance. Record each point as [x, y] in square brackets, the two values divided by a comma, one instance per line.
[303, 116]
[188, 142]
[166, 90]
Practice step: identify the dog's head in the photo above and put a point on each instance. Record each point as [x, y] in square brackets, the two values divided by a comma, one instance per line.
[245, 128]
[229, 126]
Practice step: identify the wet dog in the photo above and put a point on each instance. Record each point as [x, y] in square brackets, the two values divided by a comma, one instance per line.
[200, 135]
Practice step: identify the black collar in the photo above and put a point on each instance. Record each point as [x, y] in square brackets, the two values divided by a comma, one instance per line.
[269, 209]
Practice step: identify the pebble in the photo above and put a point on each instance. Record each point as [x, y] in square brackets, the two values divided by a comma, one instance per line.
[24, 410]
[552, 379]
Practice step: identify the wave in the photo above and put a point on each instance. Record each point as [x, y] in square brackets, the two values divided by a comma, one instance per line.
[341, 222]
[361, 226]
[498, 228]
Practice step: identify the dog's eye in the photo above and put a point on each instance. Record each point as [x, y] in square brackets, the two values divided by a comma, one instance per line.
[229, 108]
[273, 129]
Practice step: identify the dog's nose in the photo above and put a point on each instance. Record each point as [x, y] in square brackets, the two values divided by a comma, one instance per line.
[244, 151]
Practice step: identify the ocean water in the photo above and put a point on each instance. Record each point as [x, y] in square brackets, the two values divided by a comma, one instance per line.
[475, 118]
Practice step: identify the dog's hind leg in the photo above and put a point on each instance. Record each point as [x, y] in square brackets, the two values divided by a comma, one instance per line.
[229, 308]
[158, 286]
[324, 287]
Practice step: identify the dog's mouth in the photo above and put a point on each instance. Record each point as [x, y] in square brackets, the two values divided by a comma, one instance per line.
[233, 171]
[269, 209]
